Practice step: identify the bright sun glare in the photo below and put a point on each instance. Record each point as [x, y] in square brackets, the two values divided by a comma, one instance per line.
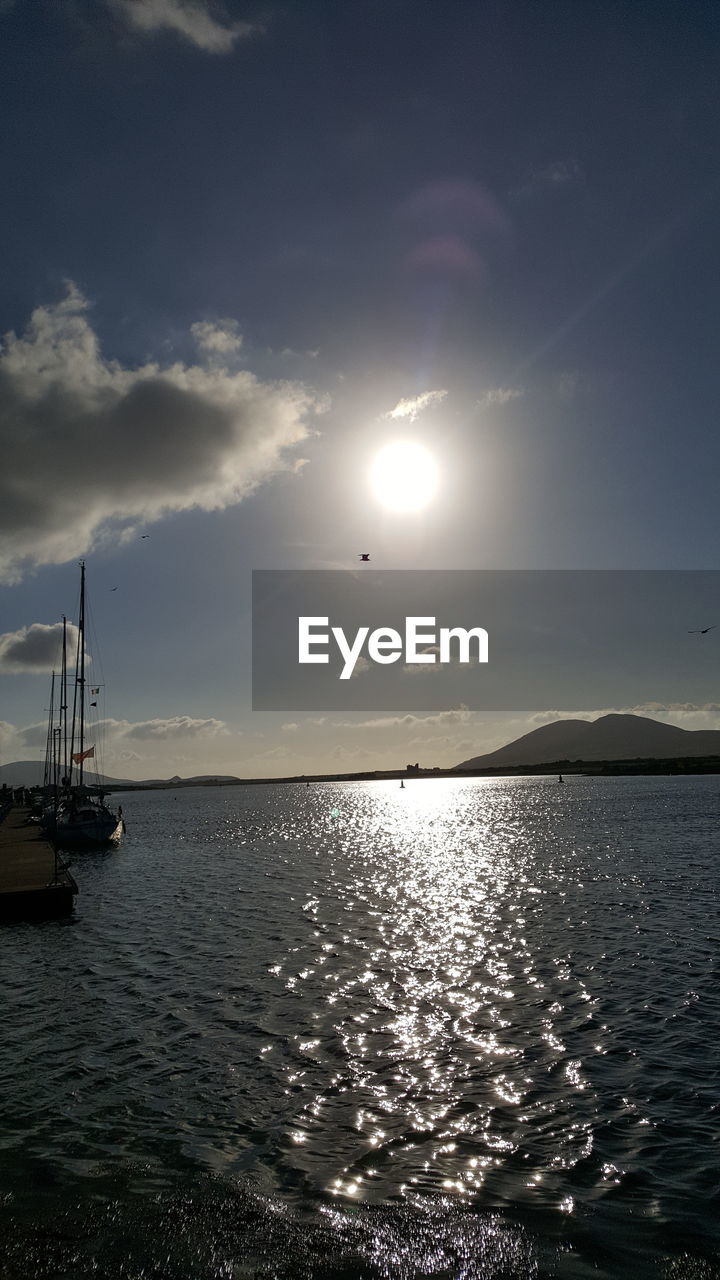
[404, 476]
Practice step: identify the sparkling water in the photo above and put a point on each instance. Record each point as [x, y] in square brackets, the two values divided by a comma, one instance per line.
[462, 1029]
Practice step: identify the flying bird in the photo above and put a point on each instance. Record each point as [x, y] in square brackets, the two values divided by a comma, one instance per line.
[144, 535]
[364, 555]
[702, 631]
[113, 588]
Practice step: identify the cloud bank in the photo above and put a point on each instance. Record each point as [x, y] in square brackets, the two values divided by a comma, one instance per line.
[89, 446]
[170, 729]
[173, 730]
[204, 25]
[455, 715]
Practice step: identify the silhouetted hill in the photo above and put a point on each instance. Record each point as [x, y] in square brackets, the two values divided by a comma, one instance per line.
[613, 737]
[29, 773]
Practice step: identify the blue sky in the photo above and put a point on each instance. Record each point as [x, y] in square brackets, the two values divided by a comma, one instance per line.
[236, 238]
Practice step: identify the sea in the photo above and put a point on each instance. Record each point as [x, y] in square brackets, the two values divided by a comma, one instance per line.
[467, 1029]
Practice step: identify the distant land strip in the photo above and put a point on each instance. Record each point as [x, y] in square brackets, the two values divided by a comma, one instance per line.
[585, 768]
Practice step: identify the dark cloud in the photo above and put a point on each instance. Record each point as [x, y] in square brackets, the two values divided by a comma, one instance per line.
[89, 446]
[37, 648]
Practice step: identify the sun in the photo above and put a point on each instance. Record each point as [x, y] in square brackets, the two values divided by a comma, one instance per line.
[404, 476]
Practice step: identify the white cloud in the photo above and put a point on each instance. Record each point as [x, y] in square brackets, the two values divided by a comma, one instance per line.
[289, 353]
[89, 446]
[501, 395]
[429, 668]
[426, 668]
[203, 24]
[219, 338]
[411, 408]
[173, 728]
[459, 715]
[36, 648]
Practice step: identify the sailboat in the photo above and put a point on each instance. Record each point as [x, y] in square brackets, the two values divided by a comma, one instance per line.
[82, 819]
[56, 747]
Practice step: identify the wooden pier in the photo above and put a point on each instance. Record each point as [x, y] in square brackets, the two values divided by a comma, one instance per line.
[32, 885]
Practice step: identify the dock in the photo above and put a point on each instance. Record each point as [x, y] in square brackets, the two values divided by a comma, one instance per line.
[32, 885]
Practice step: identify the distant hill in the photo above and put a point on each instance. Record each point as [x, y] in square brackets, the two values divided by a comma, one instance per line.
[197, 780]
[29, 773]
[612, 737]
[208, 777]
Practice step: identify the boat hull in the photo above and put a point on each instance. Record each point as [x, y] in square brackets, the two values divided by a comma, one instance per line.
[95, 832]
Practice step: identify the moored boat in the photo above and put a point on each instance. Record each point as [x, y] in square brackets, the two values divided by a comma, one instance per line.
[77, 817]
[86, 822]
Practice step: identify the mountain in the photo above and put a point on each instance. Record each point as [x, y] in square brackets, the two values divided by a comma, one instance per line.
[29, 773]
[612, 737]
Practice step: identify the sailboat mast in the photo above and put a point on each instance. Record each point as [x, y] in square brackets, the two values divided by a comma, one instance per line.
[81, 664]
[78, 692]
[47, 775]
[63, 700]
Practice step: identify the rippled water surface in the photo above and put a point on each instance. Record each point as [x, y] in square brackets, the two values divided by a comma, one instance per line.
[464, 1029]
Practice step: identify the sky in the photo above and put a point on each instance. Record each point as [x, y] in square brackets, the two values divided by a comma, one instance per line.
[246, 246]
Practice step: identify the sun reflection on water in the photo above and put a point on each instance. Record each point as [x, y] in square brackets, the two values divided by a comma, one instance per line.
[440, 991]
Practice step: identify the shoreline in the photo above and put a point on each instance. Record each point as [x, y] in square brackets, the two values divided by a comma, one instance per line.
[648, 766]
